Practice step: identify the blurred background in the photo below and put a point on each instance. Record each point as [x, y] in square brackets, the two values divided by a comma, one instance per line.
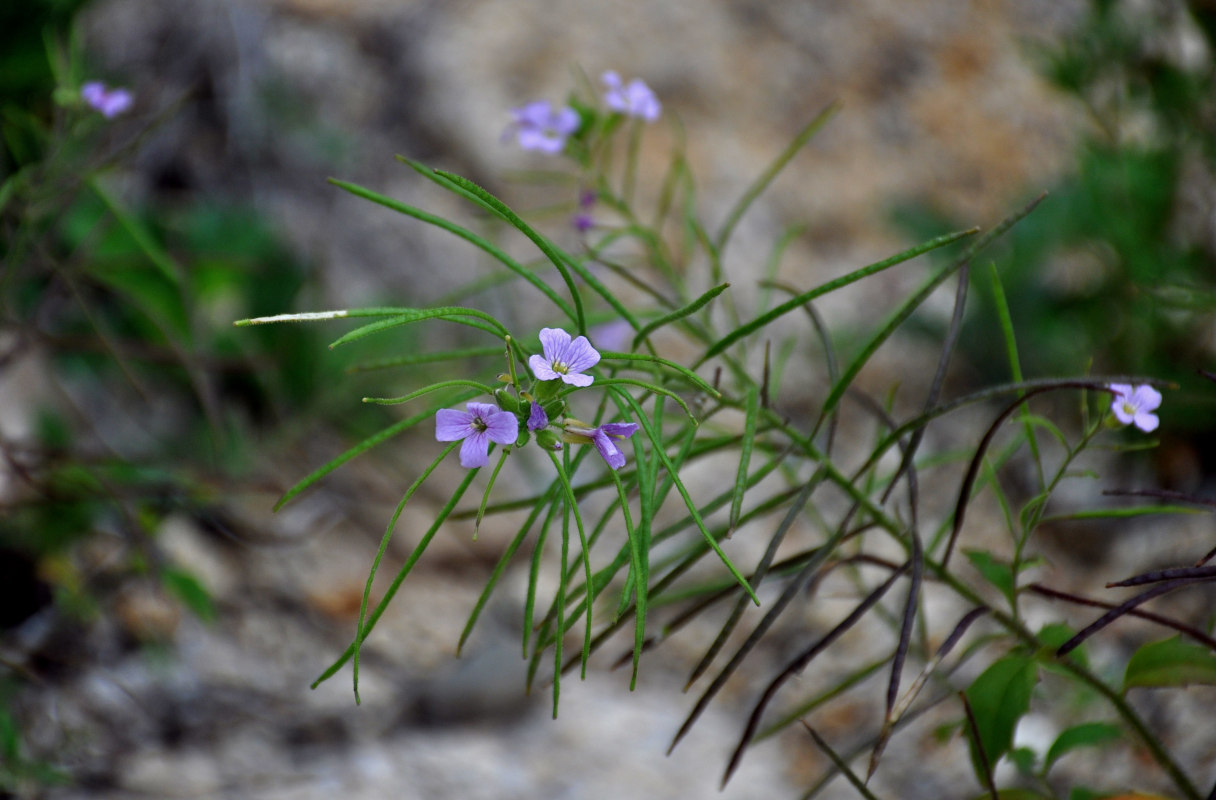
[161, 626]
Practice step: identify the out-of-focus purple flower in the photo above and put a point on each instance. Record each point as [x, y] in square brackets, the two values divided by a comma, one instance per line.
[604, 438]
[110, 102]
[563, 358]
[540, 127]
[537, 418]
[634, 99]
[481, 424]
[614, 335]
[583, 221]
[1135, 406]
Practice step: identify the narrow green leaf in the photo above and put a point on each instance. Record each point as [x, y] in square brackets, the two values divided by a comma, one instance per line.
[771, 172]
[768, 317]
[751, 410]
[650, 387]
[362, 447]
[501, 209]
[190, 591]
[684, 372]
[153, 251]
[451, 227]
[360, 632]
[450, 313]
[639, 565]
[316, 316]
[405, 398]
[402, 573]
[673, 475]
[1123, 513]
[678, 314]
[500, 567]
[425, 358]
[1088, 734]
[1015, 364]
[1170, 662]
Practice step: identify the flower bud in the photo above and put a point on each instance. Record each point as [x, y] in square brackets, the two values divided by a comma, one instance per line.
[549, 440]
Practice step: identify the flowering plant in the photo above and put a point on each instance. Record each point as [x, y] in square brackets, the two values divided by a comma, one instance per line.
[727, 410]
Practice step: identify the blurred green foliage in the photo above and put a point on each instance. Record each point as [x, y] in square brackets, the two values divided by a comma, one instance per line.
[1117, 268]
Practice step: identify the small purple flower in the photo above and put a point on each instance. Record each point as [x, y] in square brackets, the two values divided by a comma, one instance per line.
[583, 221]
[605, 438]
[537, 418]
[634, 99]
[539, 127]
[1135, 406]
[110, 102]
[481, 424]
[563, 358]
[615, 335]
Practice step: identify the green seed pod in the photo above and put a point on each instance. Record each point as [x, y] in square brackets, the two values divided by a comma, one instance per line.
[549, 440]
[506, 401]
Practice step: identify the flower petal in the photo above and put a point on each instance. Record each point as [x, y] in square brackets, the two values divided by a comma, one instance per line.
[475, 452]
[502, 427]
[452, 425]
[542, 369]
[1146, 398]
[580, 356]
[608, 449]
[537, 418]
[620, 430]
[553, 342]
[1146, 422]
[577, 379]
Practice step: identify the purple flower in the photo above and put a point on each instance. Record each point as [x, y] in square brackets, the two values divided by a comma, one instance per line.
[110, 102]
[604, 438]
[539, 127]
[1135, 406]
[583, 221]
[634, 99]
[564, 358]
[537, 418]
[614, 335]
[481, 424]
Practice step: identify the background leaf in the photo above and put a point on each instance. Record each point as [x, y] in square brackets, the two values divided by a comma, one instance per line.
[1170, 662]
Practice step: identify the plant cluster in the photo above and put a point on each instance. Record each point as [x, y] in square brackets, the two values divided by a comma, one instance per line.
[634, 543]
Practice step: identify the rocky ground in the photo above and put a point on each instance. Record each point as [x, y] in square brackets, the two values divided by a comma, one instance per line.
[940, 106]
